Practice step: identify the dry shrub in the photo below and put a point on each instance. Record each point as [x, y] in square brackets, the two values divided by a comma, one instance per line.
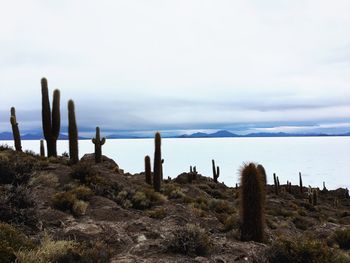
[190, 240]
[48, 251]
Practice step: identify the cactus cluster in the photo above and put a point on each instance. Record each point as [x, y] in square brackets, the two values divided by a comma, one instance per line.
[192, 175]
[252, 198]
[15, 130]
[51, 121]
[98, 145]
[216, 171]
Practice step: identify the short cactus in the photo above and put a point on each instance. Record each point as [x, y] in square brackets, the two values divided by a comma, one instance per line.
[300, 183]
[15, 130]
[157, 173]
[72, 134]
[51, 121]
[148, 172]
[216, 171]
[275, 184]
[42, 148]
[252, 196]
[98, 145]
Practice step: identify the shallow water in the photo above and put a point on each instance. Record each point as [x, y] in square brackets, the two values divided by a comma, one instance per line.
[317, 158]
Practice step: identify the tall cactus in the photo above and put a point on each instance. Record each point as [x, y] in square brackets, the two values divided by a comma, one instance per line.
[216, 171]
[252, 196]
[15, 130]
[148, 172]
[42, 148]
[98, 145]
[51, 121]
[72, 133]
[157, 173]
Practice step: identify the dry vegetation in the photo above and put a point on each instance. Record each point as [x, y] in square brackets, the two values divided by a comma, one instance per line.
[51, 211]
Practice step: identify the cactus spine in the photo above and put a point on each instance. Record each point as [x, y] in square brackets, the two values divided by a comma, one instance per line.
[72, 133]
[42, 148]
[51, 121]
[157, 173]
[300, 183]
[148, 173]
[98, 145]
[216, 171]
[15, 130]
[252, 196]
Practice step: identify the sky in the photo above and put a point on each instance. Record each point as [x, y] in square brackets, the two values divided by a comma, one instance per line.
[179, 66]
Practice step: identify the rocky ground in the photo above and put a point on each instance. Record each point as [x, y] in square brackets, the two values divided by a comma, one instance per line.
[51, 211]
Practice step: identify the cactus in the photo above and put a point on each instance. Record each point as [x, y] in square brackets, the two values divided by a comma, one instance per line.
[51, 121]
[324, 187]
[300, 183]
[262, 171]
[148, 172]
[157, 173]
[42, 148]
[72, 134]
[252, 196]
[191, 170]
[15, 130]
[275, 183]
[194, 173]
[310, 198]
[216, 171]
[98, 145]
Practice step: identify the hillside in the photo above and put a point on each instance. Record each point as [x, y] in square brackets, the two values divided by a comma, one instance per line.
[89, 212]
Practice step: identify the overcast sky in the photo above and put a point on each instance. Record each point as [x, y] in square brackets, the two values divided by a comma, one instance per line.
[180, 65]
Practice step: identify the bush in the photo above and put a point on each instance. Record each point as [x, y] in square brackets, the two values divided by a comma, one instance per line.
[7, 171]
[342, 237]
[190, 240]
[79, 207]
[11, 240]
[15, 172]
[231, 222]
[82, 171]
[158, 213]
[82, 192]
[220, 206]
[303, 251]
[48, 251]
[66, 200]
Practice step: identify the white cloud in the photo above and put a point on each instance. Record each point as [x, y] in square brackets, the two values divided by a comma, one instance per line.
[200, 51]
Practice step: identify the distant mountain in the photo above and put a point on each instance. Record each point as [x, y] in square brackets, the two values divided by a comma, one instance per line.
[120, 136]
[218, 134]
[7, 136]
[227, 134]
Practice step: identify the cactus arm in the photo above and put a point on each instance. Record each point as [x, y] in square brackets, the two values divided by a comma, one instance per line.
[103, 141]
